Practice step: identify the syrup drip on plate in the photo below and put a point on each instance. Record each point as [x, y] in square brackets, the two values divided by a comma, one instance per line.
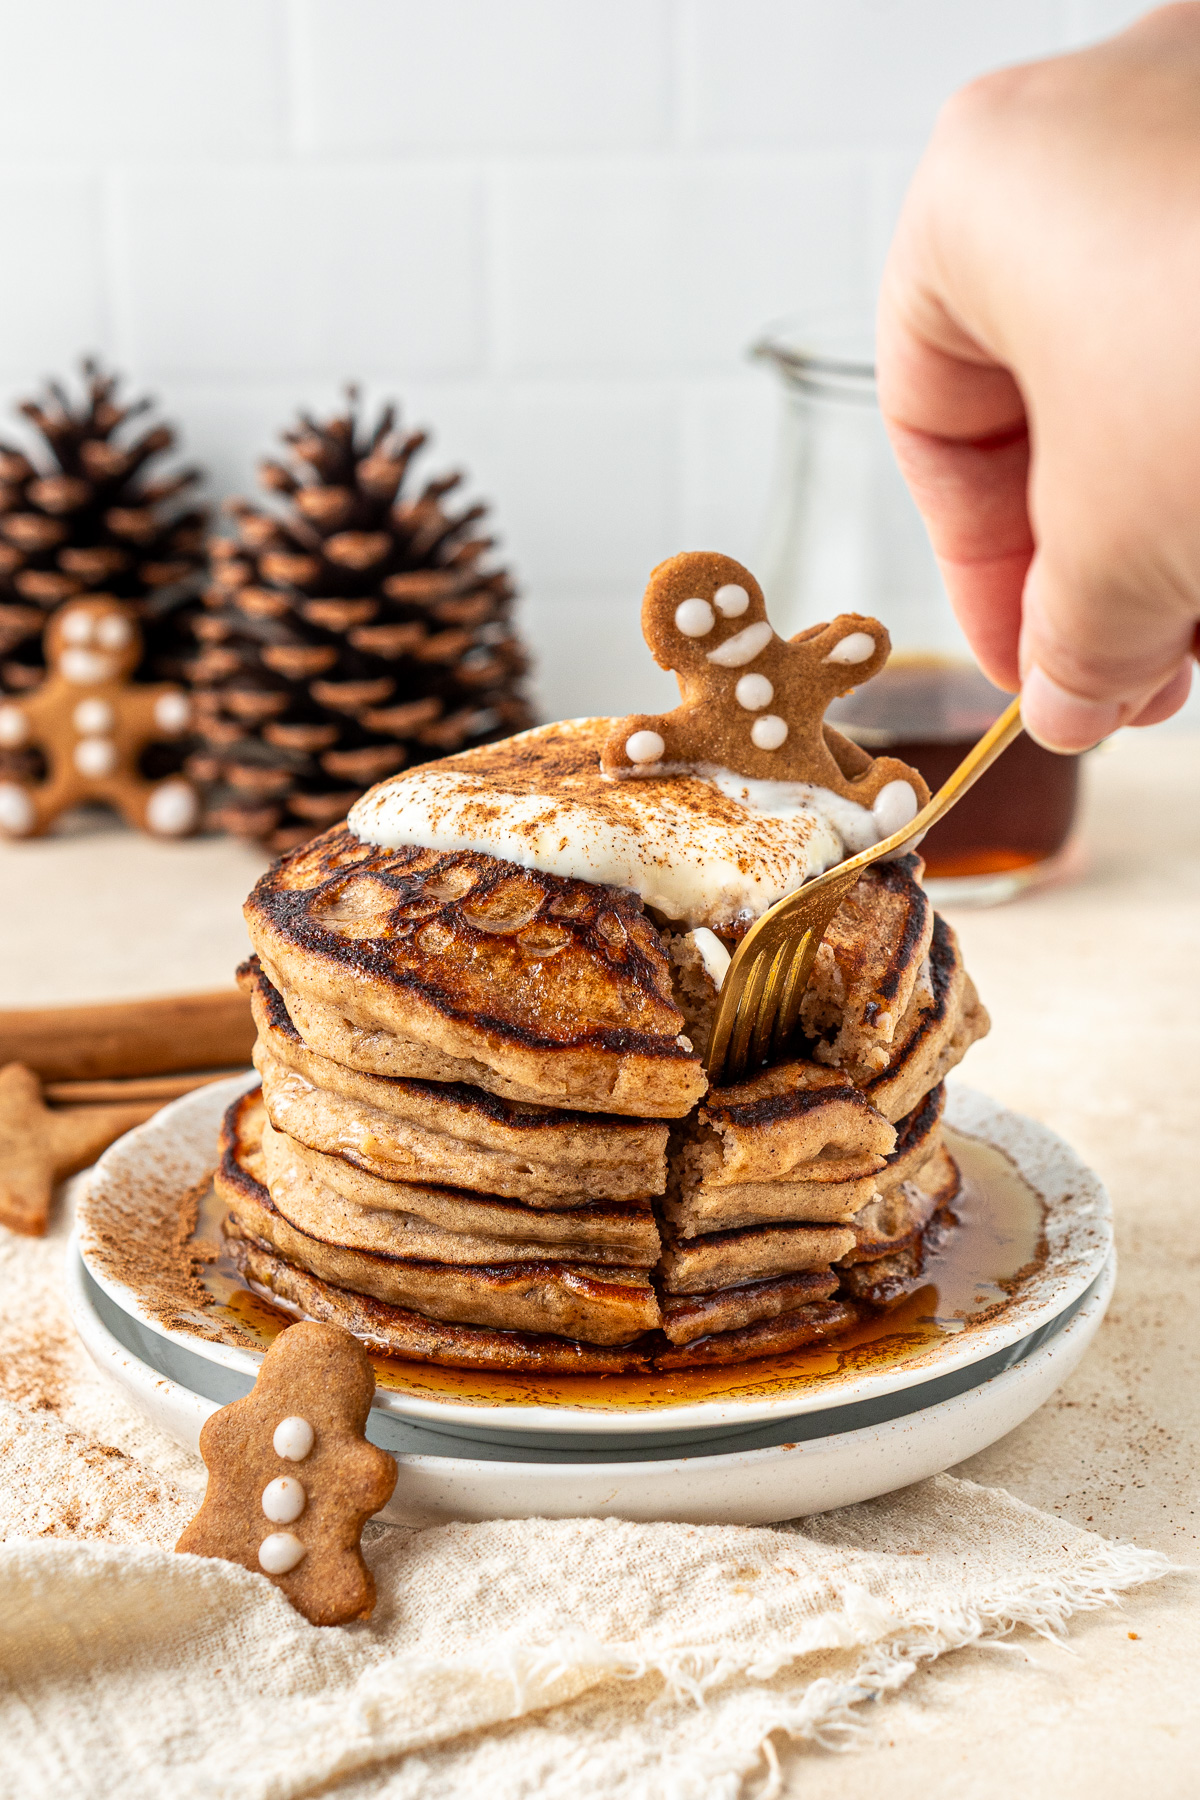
[969, 1279]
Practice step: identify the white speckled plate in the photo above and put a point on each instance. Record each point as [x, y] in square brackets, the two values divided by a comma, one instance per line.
[785, 1469]
[1010, 1164]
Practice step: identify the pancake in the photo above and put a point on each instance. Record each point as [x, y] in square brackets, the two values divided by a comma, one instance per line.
[397, 1331]
[399, 1149]
[897, 1218]
[603, 1232]
[687, 1317]
[883, 1280]
[796, 1121]
[692, 1210]
[578, 1300]
[701, 1265]
[944, 1018]
[694, 1203]
[867, 968]
[448, 1132]
[552, 986]
[773, 1337]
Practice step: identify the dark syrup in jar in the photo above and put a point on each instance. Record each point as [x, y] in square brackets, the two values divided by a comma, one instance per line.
[929, 713]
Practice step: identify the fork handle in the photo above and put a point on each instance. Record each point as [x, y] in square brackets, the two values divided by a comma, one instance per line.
[974, 764]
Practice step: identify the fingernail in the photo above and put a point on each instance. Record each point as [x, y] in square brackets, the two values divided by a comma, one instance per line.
[1060, 720]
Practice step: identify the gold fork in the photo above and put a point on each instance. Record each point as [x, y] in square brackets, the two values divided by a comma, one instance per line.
[760, 997]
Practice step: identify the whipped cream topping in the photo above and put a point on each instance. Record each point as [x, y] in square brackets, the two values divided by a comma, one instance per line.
[706, 847]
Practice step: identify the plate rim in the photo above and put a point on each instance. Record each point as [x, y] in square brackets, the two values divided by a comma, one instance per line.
[1089, 1316]
[1077, 1206]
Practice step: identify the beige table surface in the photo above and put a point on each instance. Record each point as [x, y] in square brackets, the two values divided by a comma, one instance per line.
[1094, 991]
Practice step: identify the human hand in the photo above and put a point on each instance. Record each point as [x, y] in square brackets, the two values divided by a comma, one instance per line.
[1039, 373]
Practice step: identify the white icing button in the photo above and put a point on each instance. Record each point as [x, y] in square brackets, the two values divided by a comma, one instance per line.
[742, 647]
[172, 808]
[13, 727]
[16, 809]
[895, 807]
[93, 716]
[95, 757]
[855, 647]
[731, 600]
[695, 618]
[754, 692]
[284, 1499]
[83, 667]
[76, 627]
[114, 631]
[294, 1439]
[171, 712]
[280, 1552]
[768, 732]
[645, 747]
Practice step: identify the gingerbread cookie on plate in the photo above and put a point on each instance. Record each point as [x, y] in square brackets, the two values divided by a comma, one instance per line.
[292, 1479]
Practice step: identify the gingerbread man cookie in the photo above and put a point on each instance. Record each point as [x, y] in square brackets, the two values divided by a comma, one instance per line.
[292, 1479]
[753, 702]
[91, 724]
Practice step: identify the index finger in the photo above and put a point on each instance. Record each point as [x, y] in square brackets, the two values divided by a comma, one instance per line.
[958, 425]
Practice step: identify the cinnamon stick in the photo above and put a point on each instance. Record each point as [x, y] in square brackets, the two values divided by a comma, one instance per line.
[131, 1087]
[130, 1037]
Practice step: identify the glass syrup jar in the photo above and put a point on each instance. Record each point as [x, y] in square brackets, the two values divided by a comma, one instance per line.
[843, 535]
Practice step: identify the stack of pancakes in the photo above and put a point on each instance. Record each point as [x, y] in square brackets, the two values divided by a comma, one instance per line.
[484, 1135]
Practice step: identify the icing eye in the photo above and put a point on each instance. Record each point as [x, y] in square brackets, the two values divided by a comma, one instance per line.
[113, 631]
[695, 618]
[76, 628]
[731, 600]
[646, 746]
[754, 692]
[742, 647]
[855, 647]
[83, 667]
[768, 732]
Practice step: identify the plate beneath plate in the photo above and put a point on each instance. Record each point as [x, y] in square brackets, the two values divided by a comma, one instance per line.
[756, 1476]
[137, 1192]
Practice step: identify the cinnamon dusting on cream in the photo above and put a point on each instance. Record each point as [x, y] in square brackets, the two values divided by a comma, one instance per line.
[707, 847]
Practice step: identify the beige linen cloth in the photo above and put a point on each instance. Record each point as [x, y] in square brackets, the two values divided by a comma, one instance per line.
[547, 1658]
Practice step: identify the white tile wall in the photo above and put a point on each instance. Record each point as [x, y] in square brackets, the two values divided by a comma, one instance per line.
[551, 227]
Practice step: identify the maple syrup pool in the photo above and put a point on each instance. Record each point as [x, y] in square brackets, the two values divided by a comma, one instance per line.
[998, 1243]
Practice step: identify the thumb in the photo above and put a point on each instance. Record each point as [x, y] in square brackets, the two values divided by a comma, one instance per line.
[1095, 657]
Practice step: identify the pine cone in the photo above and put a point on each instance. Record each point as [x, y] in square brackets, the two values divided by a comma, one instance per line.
[347, 634]
[91, 518]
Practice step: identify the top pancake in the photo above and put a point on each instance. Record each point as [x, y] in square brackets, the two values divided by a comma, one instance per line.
[556, 987]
